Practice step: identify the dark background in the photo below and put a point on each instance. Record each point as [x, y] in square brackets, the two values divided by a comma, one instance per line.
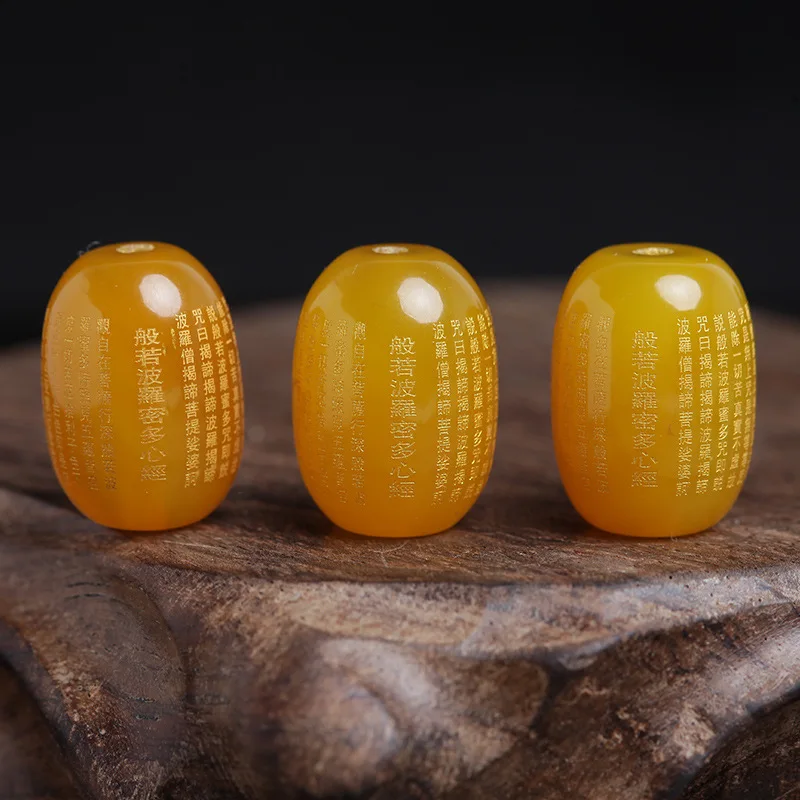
[516, 142]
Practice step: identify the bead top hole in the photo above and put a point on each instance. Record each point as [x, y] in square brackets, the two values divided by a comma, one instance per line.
[136, 247]
[653, 251]
[389, 249]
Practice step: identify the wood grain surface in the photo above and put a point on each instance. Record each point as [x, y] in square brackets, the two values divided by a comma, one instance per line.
[521, 655]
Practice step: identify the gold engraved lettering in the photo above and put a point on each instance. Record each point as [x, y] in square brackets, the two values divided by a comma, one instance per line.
[686, 408]
[104, 411]
[465, 436]
[70, 421]
[644, 407]
[148, 351]
[53, 411]
[337, 406]
[444, 412]
[357, 412]
[403, 412]
[599, 402]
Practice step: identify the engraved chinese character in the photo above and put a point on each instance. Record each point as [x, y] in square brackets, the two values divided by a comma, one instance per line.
[404, 388]
[645, 421]
[152, 416]
[403, 408]
[151, 395]
[148, 377]
[402, 346]
[152, 434]
[401, 489]
[402, 471]
[644, 359]
[645, 400]
[644, 479]
[403, 430]
[403, 449]
[154, 472]
[402, 367]
[144, 337]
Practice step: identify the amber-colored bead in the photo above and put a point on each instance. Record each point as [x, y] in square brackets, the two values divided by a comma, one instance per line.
[141, 387]
[654, 389]
[395, 391]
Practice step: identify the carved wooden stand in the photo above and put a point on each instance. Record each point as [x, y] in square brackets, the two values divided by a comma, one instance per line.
[261, 654]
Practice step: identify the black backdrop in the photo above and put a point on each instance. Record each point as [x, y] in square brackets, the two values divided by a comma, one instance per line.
[519, 144]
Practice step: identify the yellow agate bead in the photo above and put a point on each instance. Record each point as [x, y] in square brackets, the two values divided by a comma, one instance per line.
[395, 391]
[653, 389]
[141, 387]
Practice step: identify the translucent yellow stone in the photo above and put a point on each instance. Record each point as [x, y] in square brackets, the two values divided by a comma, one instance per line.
[141, 387]
[395, 391]
[654, 389]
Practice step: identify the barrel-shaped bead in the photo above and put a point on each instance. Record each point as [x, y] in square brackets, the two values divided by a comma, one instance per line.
[395, 391]
[653, 389]
[141, 387]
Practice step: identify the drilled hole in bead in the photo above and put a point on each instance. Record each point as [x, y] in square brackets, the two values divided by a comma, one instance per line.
[389, 249]
[136, 247]
[653, 251]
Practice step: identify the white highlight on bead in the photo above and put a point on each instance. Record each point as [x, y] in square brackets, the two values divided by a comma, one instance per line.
[160, 295]
[680, 291]
[420, 301]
